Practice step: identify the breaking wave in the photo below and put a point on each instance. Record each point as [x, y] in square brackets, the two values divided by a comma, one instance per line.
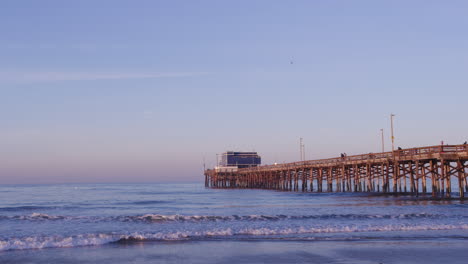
[35, 216]
[38, 242]
[154, 218]
[162, 218]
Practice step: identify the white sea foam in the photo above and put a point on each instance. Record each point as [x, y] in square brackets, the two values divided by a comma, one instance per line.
[38, 242]
[44, 216]
[347, 229]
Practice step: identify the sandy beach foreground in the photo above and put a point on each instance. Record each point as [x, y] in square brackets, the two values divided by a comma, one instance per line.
[417, 251]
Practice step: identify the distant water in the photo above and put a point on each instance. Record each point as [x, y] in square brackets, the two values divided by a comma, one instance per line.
[69, 216]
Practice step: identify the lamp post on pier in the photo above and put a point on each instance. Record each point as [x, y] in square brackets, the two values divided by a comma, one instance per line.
[302, 149]
[383, 145]
[393, 138]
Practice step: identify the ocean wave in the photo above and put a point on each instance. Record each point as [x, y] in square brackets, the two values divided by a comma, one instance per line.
[39, 242]
[35, 216]
[195, 218]
[25, 208]
[147, 202]
[348, 229]
[155, 218]
[44, 216]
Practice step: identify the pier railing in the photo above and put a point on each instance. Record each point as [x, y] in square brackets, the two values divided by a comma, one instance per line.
[397, 154]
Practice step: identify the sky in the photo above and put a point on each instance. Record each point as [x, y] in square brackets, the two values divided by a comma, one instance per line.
[147, 91]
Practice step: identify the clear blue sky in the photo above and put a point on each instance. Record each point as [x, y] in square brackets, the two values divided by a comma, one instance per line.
[135, 91]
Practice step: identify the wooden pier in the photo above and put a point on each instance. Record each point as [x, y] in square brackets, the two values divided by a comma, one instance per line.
[413, 171]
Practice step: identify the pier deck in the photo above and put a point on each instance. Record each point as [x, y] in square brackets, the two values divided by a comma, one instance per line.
[414, 170]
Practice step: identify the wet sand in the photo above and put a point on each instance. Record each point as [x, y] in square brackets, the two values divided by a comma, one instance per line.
[451, 251]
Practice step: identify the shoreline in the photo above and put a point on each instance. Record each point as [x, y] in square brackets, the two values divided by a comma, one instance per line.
[249, 251]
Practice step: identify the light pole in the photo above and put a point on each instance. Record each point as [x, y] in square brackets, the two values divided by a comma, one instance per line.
[303, 152]
[393, 138]
[300, 148]
[383, 145]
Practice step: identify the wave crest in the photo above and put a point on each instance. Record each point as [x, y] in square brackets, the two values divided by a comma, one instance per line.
[35, 216]
[194, 218]
[154, 218]
[37, 242]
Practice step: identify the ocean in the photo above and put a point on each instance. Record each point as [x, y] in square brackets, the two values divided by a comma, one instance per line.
[187, 223]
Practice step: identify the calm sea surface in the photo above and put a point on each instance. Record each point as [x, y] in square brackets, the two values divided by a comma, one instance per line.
[63, 217]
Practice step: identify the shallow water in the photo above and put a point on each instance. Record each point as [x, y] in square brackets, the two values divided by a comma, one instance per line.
[118, 215]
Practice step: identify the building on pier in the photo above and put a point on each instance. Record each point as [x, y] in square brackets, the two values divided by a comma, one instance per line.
[240, 159]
